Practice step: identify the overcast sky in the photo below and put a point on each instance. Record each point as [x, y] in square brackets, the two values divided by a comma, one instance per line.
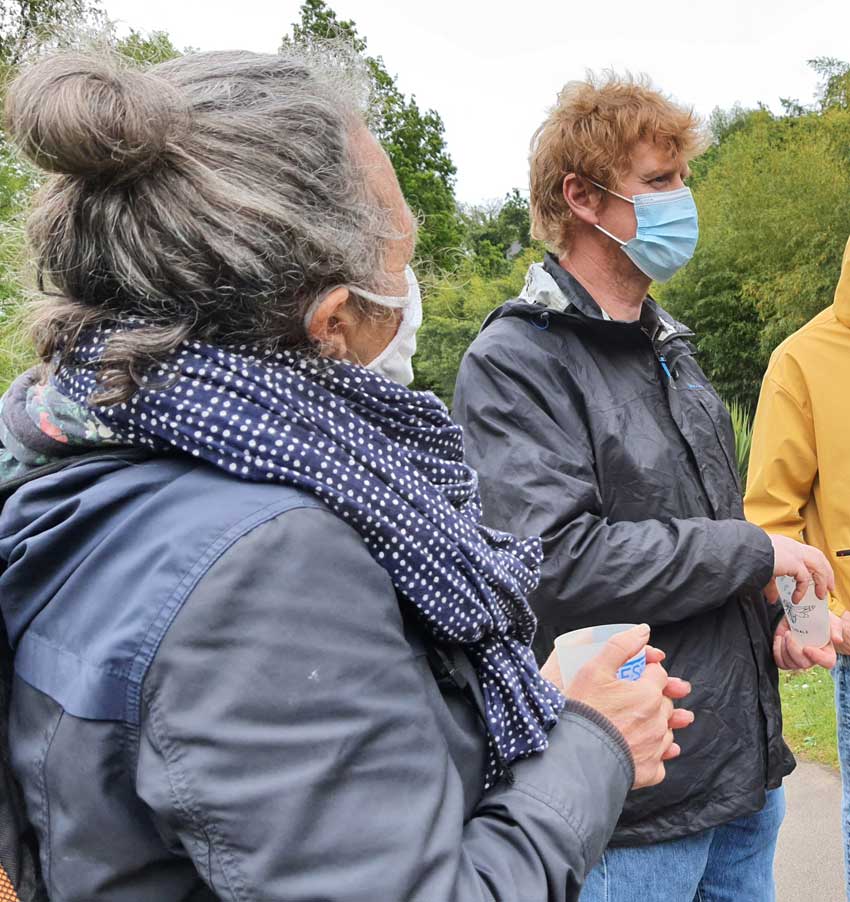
[492, 68]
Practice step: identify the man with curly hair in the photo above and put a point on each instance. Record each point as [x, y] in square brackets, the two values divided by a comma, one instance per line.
[591, 424]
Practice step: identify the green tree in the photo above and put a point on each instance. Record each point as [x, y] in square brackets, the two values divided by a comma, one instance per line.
[834, 90]
[456, 306]
[496, 232]
[147, 49]
[26, 25]
[774, 217]
[414, 139]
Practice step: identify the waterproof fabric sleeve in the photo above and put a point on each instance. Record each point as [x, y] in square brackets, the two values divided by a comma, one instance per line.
[783, 463]
[535, 463]
[290, 744]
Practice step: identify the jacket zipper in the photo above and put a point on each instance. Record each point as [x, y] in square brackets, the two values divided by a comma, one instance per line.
[663, 361]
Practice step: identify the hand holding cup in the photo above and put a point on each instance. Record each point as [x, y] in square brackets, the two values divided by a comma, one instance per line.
[642, 710]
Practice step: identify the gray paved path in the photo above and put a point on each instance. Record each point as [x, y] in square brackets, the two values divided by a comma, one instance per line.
[809, 864]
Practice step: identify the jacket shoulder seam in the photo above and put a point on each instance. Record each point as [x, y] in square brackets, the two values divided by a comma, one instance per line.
[787, 393]
[189, 579]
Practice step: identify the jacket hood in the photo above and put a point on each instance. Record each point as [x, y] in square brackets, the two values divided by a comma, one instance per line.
[550, 289]
[842, 291]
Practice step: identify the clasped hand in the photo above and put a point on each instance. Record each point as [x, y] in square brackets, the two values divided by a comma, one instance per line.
[804, 563]
[641, 710]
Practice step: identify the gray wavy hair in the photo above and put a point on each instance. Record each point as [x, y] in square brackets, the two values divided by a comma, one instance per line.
[214, 197]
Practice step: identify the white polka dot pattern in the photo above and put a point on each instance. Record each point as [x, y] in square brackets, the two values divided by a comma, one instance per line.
[389, 461]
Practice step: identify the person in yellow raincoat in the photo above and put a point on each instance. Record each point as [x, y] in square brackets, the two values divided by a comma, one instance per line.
[799, 474]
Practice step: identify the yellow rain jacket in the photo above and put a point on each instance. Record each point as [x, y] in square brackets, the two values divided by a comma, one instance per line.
[799, 476]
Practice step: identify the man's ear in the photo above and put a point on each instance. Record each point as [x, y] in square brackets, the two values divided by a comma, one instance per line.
[583, 198]
[331, 325]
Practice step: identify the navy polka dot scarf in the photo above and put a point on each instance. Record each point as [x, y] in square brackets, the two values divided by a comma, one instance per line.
[389, 461]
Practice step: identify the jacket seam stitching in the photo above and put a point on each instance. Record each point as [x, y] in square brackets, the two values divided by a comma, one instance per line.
[42, 782]
[191, 576]
[781, 388]
[182, 798]
[117, 672]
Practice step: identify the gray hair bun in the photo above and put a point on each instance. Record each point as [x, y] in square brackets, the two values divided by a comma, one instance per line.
[93, 117]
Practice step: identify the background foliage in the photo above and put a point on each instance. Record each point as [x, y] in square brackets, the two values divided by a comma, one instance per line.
[773, 191]
[773, 194]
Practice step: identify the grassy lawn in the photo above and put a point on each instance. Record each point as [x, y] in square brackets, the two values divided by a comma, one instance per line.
[809, 715]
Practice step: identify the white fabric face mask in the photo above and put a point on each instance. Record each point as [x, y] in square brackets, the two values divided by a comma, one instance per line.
[396, 360]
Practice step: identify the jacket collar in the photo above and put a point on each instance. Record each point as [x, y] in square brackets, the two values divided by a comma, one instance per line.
[551, 286]
[842, 291]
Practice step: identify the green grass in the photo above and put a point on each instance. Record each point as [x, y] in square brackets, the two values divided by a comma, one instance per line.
[809, 715]
[16, 354]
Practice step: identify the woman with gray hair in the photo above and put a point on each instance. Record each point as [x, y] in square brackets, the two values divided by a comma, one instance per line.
[263, 648]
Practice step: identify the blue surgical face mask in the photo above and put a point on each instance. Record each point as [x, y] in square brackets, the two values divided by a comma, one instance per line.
[667, 231]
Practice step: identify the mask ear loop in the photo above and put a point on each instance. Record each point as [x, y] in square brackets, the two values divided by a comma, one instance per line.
[397, 303]
[612, 237]
[393, 301]
[622, 197]
[628, 200]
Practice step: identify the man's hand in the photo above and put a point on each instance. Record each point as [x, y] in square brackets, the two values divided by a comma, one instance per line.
[804, 563]
[842, 645]
[790, 655]
[641, 710]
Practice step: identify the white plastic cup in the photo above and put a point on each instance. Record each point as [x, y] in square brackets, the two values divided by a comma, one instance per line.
[576, 648]
[809, 618]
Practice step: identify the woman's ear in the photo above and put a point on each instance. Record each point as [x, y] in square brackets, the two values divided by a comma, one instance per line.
[331, 324]
[582, 197]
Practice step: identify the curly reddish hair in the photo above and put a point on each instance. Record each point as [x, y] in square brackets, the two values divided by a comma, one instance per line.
[591, 131]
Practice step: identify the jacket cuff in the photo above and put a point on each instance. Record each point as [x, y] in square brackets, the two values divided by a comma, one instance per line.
[581, 734]
[758, 546]
[584, 776]
[580, 708]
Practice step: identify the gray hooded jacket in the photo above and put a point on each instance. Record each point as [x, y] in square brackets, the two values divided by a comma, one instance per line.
[606, 439]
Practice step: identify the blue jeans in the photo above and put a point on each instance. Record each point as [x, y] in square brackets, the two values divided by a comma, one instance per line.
[841, 676]
[730, 863]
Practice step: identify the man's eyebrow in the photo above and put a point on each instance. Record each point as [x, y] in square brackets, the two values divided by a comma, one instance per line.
[669, 171]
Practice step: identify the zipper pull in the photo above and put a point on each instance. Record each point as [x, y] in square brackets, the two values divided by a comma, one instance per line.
[663, 361]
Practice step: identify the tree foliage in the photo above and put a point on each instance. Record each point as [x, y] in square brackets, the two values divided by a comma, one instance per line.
[147, 49]
[834, 90]
[414, 139]
[774, 202]
[27, 25]
[455, 308]
[496, 232]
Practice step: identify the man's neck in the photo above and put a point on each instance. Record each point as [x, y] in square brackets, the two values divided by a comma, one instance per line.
[619, 293]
